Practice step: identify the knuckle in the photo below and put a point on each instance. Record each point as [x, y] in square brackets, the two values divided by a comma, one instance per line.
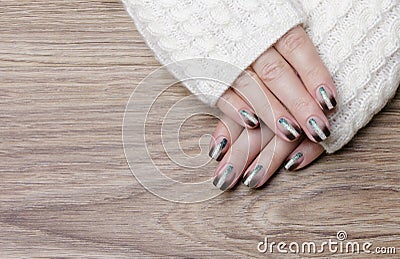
[228, 97]
[291, 41]
[250, 74]
[269, 151]
[240, 152]
[265, 108]
[315, 76]
[273, 70]
[300, 105]
[245, 80]
[314, 73]
[254, 135]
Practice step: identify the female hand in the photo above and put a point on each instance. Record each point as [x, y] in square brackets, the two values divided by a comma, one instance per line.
[288, 87]
[257, 154]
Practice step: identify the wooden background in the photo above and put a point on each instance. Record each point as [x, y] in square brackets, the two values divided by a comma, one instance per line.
[67, 69]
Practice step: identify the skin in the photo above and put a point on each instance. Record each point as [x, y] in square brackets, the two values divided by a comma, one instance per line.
[287, 81]
[249, 148]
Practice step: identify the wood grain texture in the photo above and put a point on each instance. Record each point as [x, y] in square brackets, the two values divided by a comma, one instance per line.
[67, 69]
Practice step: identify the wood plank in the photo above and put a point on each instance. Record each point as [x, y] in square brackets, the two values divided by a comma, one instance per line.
[67, 69]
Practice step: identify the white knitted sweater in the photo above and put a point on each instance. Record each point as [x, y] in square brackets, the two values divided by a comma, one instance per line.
[358, 41]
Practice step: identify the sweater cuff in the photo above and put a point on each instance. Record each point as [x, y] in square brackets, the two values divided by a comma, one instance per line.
[227, 36]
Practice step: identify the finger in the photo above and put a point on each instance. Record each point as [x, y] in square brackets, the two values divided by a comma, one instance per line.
[303, 155]
[237, 109]
[283, 82]
[298, 49]
[250, 87]
[226, 132]
[268, 162]
[241, 153]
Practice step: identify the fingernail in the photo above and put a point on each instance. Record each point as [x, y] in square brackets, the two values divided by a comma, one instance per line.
[249, 118]
[224, 177]
[326, 98]
[292, 163]
[319, 130]
[254, 176]
[289, 129]
[217, 151]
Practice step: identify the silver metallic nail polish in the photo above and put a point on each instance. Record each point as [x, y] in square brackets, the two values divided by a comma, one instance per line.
[249, 118]
[289, 127]
[251, 175]
[293, 161]
[220, 180]
[317, 129]
[326, 98]
[216, 151]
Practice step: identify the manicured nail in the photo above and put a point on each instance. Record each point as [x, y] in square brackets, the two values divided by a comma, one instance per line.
[249, 118]
[319, 130]
[289, 129]
[292, 163]
[254, 176]
[224, 177]
[326, 98]
[217, 150]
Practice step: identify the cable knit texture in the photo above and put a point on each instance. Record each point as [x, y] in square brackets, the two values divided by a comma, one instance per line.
[235, 32]
[358, 40]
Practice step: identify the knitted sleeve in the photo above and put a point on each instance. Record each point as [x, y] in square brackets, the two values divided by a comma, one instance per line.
[232, 31]
[358, 40]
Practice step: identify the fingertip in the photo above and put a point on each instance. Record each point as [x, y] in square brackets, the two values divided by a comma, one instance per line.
[219, 148]
[249, 119]
[288, 130]
[303, 155]
[326, 97]
[318, 128]
[225, 133]
[293, 162]
[234, 107]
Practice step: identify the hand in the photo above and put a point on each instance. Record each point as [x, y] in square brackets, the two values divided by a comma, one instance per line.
[256, 154]
[288, 88]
